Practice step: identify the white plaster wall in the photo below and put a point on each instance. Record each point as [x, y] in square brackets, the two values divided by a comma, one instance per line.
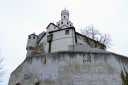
[31, 41]
[44, 41]
[60, 41]
[85, 48]
[29, 53]
[52, 28]
[71, 68]
[65, 16]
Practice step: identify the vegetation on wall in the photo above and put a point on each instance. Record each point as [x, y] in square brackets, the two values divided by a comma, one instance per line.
[95, 44]
[94, 34]
[39, 49]
[124, 77]
[45, 60]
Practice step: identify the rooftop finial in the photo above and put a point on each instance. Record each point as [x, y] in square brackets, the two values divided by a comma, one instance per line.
[65, 8]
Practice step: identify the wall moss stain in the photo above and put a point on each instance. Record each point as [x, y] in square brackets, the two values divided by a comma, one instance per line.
[71, 68]
[45, 60]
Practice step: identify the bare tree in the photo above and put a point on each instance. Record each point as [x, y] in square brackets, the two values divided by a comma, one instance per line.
[94, 34]
[106, 40]
[90, 32]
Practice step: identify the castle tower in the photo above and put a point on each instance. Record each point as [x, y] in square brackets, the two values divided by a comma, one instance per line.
[64, 22]
[31, 43]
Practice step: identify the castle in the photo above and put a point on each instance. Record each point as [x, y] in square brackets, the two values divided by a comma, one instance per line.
[61, 37]
[66, 57]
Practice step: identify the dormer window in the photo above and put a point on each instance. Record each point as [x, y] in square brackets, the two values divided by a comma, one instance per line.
[61, 22]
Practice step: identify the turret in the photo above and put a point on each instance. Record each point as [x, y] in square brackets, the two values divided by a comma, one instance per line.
[65, 14]
[31, 43]
[64, 22]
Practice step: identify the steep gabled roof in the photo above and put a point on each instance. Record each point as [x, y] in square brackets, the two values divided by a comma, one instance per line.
[62, 29]
[51, 24]
[40, 36]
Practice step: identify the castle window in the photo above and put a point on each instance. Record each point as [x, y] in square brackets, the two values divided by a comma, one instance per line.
[61, 22]
[58, 24]
[33, 37]
[29, 36]
[66, 32]
[38, 83]
[77, 36]
[67, 23]
[64, 17]
[80, 37]
[18, 84]
[70, 25]
[26, 48]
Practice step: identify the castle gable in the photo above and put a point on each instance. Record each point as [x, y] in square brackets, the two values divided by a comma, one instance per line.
[52, 27]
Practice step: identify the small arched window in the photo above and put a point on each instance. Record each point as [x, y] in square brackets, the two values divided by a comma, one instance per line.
[70, 25]
[18, 84]
[66, 32]
[33, 37]
[29, 36]
[38, 83]
[64, 17]
[58, 24]
[61, 22]
[67, 23]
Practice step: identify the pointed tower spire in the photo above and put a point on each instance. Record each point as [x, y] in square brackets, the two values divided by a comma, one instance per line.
[65, 8]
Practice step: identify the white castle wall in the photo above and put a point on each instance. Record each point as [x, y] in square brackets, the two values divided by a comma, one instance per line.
[85, 48]
[70, 68]
[51, 28]
[60, 41]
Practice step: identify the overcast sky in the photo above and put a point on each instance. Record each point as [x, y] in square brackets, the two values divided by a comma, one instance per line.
[19, 18]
